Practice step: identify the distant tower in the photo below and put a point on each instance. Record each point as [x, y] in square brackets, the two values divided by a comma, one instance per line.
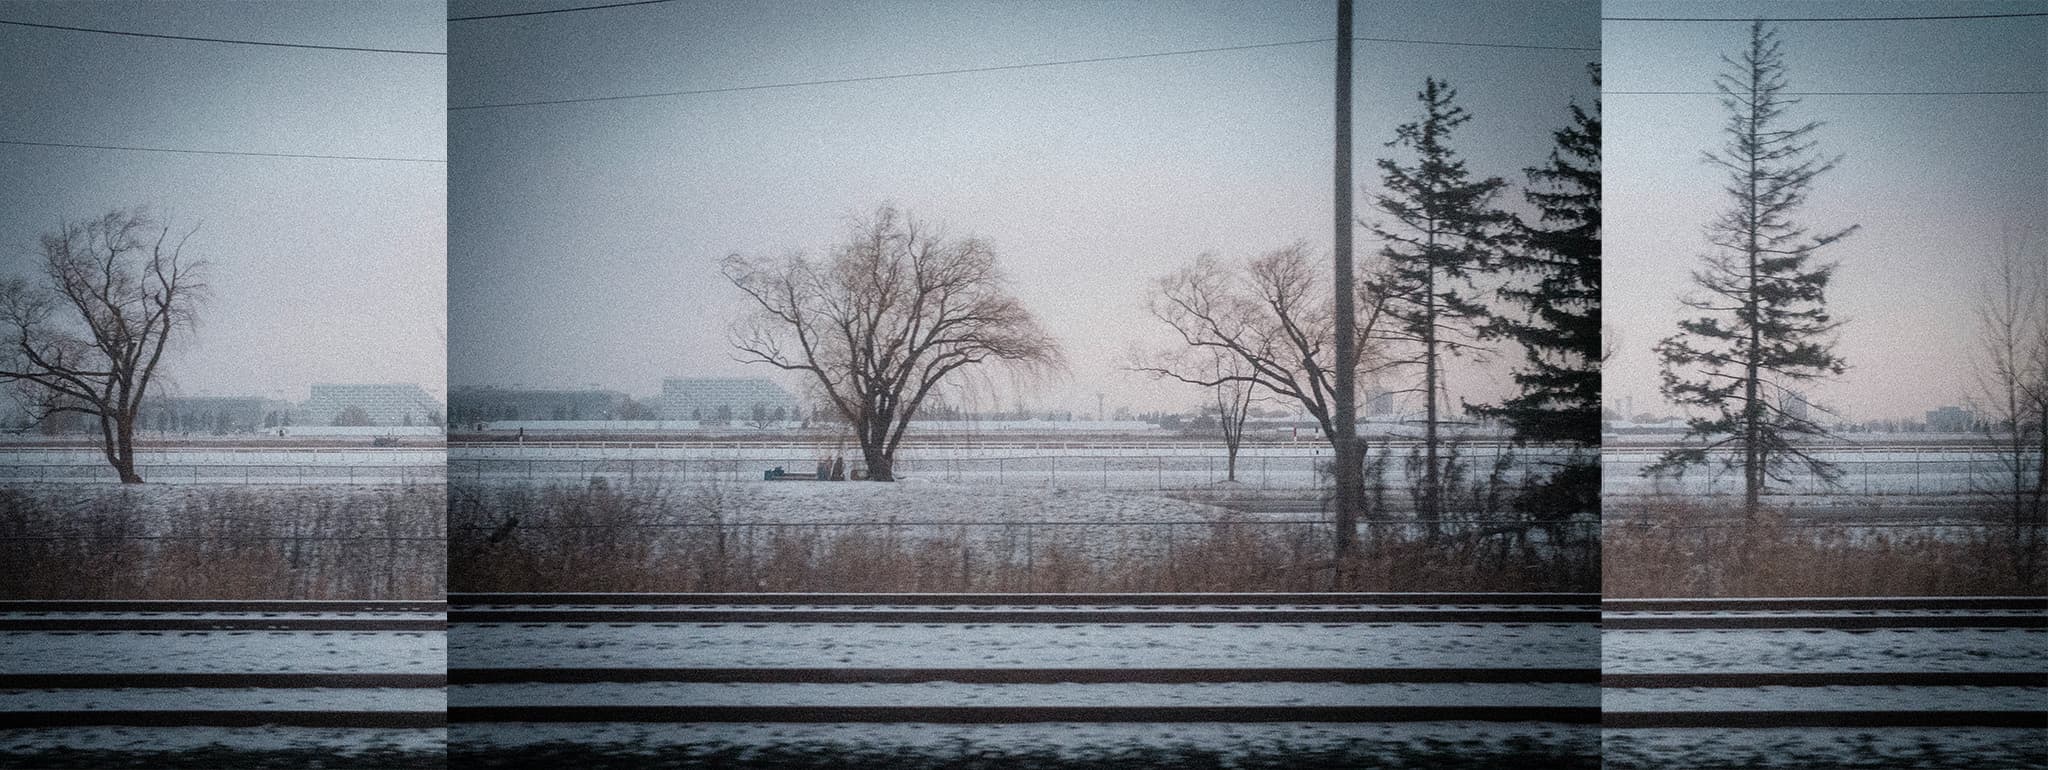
[1098, 406]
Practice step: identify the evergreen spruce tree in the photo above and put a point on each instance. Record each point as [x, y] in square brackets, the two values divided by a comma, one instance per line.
[1558, 323]
[1763, 326]
[1443, 230]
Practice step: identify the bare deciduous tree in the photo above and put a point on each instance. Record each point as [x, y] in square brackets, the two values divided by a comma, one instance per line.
[87, 338]
[1274, 318]
[897, 309]
[2012, 372]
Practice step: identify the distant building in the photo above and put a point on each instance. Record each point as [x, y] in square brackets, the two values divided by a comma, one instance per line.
[1950, 419]
[1795, 405]
[469, 405]
[211, 414]
[728, 399]
[1379, 403]
[388, 404]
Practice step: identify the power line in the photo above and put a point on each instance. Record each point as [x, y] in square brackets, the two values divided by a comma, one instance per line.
[220, 152]
[556, 10]
[1836, 18]
[995, 68]
[219, 39]
[1832, 93]
[1474, 45]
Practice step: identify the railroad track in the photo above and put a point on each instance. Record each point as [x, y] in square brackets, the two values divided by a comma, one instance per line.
[1828, 662]
[224, 664]
[1019, 658]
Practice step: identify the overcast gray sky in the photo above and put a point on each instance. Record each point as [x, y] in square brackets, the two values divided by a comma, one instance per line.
[324, 270]
[585, 237]
[1935, 181]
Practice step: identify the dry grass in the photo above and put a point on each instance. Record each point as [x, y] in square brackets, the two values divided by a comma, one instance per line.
[1680, 548]
[648, 537]
[211, 542]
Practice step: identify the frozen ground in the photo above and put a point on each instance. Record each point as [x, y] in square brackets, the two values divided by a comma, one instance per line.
[397, 652]
[1891, 748]
[1094, 745]
[1824, 699]
[1890, 649]
[218, 748]
[1018, 645]
[226, 699]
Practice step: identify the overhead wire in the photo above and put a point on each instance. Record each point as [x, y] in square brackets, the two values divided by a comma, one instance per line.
[1832, 93]
[995, 68]
[230, 41]
[1953, 17]
[221, 152]
[482, 17]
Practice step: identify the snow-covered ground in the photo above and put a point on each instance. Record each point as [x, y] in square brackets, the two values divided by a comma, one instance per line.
[1860, 698]
[1179, 466]
[1820, 651]
[802, 645]
[127, 739]
[226, 699]
[1932, 471]
[1387, 745]
[1924, 748]
[230, 465]
[48, 652]
[1889, 649]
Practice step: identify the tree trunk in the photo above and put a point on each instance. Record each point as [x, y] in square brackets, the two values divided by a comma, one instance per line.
[881, 467]
[124, 453]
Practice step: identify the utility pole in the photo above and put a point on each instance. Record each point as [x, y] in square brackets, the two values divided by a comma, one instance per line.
[1349, 475]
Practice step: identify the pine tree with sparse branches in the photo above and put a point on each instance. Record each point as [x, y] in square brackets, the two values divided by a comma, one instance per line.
[1443, 230]
[1557, 318]
[1763, 325]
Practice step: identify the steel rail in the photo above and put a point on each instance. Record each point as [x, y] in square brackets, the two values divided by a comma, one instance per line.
[218, 605]
[216, 680]
[1036, 617]
[1810, 603]
[1027, 599]
[116, 624]
[1753, 679]
[550, 675]
[1020, 714]
[223, 718]
[1821, 622]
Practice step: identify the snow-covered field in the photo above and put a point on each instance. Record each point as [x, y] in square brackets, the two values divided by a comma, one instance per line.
[231, 465]
[1923, 471]
[1164, 466]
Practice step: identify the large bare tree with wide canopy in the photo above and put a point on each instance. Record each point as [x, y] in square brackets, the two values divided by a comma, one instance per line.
[897, 309]
[88, 336]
